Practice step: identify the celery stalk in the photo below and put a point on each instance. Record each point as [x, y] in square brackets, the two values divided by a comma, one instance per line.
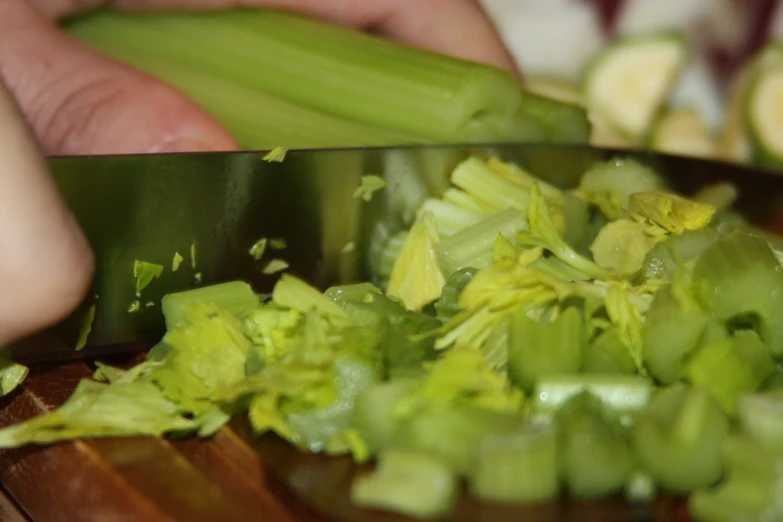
[622, 393]
[332, 69]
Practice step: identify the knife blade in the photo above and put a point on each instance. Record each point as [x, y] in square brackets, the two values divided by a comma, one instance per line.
[149, 207]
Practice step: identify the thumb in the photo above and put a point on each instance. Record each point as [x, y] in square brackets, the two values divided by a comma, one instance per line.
[46, 265]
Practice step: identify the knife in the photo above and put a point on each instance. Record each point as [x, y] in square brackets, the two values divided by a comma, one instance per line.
[149, 207]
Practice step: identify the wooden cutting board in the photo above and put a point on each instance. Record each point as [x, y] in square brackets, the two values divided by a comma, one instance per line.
[232, 477]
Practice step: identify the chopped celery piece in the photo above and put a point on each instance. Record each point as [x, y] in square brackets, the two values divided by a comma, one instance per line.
[12, 374]
[473, 246]
[416, 278]
[86, 328]
[761, 417]
[524, 179]
[621, 393]
[278, 243]
[719, 369]
[609, 185]
[607, 354]
[257, 250]
[677, 438]
[274, 266]
[763, 124]
[595, 457]
[235, 297]
[750, 491]
[454, 433]
[450, 218]
[519, 467]
[670, 335]
[562, 122]
[739, 280]
[663, 260]
[370, 185]
[292, 292]
[537, 349]
[721, 196]
[374, 414]
[144, 273]
[411, 483]
[558, 269]
[102, 410]
[446, 306]
[276, 155]
[193, 255]
[313, 428]
[671, 212]
[621, 246]
[176, 261]
[494, 190]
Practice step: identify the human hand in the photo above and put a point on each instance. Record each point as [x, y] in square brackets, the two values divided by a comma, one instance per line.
[78, 102]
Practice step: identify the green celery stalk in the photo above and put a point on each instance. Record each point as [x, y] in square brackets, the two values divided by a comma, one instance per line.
[446, 306]
[491, 188]
[536, 350]
[677, 438]
[595, 457]
[760, 416]
[450, 218]
[325, 67]
[518, 467]
[410, 483]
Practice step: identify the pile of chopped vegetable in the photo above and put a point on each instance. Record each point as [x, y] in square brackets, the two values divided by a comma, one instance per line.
[520, 338]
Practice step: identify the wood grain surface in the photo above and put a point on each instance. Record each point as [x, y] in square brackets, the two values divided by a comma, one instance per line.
[231, 477]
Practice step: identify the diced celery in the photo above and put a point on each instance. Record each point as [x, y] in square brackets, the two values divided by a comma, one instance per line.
[607, 354]
[595, 458]
[374, 416]
[670, 335]
[473, 246]
[677, 438]
[536, 350]
[292, 292]
[739, 280]
[411, 483]
[454, 433]
[518, 467]
[608, 185]
[314, 428]
[718, 368]
[667, 256]
[235, 297]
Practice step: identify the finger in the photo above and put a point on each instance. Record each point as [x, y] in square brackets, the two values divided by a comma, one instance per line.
[46, 264]
[458, 28]
[81, 103]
